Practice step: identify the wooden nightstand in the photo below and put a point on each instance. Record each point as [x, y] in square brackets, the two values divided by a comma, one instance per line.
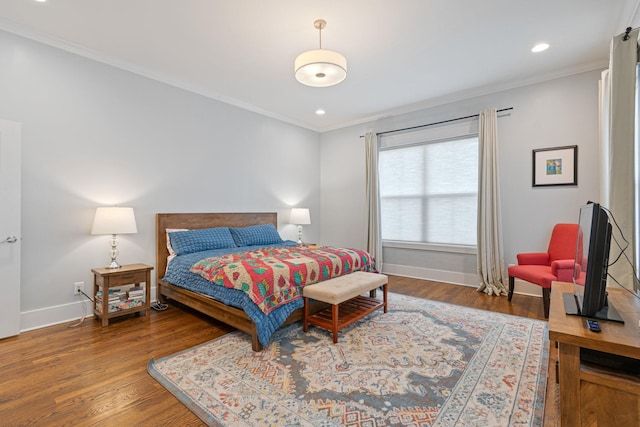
[107, 280]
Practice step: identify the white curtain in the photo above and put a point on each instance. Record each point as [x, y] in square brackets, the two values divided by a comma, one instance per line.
[605, 173]
[490, 257]
[373, 240]
[617, 118]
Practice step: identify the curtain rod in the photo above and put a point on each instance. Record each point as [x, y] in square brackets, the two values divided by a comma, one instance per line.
[436, 123]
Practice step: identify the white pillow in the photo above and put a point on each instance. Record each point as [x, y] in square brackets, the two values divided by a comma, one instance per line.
[172, 253]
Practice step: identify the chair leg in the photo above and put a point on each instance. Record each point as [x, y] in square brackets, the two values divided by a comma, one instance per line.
[546, 301]
[511, 286]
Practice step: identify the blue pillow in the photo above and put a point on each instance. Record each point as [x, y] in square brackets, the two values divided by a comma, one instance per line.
[204, 239]
[262, 234]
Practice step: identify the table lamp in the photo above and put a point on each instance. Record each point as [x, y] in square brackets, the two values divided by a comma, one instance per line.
[114, 221]
[300, 216]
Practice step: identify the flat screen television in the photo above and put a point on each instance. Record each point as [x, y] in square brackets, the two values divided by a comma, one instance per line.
[590, 268]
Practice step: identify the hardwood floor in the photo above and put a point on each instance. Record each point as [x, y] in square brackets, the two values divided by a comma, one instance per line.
[93, 376]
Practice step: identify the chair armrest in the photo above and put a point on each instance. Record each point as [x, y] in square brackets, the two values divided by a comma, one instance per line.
[533, 258]
[563, 269]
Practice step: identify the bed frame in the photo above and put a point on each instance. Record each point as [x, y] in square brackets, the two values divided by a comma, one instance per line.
[230, 315]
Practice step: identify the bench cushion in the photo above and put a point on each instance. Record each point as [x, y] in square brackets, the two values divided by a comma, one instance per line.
[343, 288]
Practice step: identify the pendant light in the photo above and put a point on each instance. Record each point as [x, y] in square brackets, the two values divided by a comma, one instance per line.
[320, 67]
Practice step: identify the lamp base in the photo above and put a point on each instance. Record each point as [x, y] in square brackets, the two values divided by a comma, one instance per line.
[299, 235]
[114, 264]
[114, 252]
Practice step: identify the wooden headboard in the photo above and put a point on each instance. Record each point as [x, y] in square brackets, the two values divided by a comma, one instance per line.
[202, 220]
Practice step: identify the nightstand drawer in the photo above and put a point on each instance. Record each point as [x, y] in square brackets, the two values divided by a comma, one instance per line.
[127, 278]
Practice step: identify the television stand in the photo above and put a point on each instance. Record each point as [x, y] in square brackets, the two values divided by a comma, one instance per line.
[573, 302]
[593, 394]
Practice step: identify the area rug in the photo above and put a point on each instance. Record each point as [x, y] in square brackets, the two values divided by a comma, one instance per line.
[423, 363]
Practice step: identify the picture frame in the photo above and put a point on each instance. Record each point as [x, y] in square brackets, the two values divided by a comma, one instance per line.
[555, 166]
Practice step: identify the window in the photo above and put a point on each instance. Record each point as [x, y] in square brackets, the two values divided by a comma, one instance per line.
[429, 189]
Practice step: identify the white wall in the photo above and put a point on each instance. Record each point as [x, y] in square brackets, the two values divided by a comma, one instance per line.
[554, 113]
[95, 135]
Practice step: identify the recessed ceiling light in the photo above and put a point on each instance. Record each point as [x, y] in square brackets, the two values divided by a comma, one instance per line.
[41, 1]
[540, 47]
[320, 112]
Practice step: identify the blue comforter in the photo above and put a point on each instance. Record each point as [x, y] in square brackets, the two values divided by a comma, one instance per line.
[178, 274]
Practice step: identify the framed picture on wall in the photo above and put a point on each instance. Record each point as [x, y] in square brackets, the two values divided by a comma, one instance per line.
[555, 166]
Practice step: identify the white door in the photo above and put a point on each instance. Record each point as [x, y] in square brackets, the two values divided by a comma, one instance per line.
[10, 158]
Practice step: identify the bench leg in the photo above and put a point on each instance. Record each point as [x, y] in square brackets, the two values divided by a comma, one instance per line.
[305, 317]
[384, 296]
[334, 322]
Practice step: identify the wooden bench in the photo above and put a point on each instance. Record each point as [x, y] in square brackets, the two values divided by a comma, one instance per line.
[348, 305]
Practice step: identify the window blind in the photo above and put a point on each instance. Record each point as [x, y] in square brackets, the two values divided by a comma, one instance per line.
[429, 184]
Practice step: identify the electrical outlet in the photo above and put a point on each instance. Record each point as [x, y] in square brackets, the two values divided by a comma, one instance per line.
[78, 287]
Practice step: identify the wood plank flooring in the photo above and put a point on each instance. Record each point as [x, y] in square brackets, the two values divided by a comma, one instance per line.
[93, 376]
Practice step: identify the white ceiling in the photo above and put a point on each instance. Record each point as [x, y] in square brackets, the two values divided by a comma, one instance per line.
[402, 54]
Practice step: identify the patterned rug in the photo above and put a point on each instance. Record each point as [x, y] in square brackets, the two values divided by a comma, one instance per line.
[424, 363]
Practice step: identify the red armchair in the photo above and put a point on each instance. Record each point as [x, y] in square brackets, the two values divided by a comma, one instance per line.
[542, 268]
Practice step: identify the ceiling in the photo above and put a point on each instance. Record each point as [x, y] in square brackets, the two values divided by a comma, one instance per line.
[402, 55]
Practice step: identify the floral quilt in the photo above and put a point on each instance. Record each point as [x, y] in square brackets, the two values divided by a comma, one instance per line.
[272, 277]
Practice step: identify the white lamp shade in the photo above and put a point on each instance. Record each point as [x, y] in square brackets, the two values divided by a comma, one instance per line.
[300, 216]
[114, 220]
[320, 68]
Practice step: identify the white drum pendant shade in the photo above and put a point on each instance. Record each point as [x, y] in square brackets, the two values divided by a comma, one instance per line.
[320, 68]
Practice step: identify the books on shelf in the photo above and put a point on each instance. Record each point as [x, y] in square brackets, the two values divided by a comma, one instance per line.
[120, 306]
[114, 294]
[136, 292]
[120, 299]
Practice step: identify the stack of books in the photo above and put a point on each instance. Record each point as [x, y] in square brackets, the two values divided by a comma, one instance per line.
[116, 298]
[115, 295]
[136, 293]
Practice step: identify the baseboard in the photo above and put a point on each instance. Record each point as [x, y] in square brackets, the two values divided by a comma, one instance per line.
[49, 316]
[464, 279]
[456, 278]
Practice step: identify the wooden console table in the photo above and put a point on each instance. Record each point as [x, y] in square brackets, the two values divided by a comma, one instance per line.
[592, 395]
[126, 276]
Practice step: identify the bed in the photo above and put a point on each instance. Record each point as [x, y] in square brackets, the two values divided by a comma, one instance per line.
[223, 305]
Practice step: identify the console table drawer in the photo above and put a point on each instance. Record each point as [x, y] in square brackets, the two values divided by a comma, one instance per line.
[125, 278]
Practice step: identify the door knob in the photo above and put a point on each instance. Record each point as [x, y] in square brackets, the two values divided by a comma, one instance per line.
[10, 239]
